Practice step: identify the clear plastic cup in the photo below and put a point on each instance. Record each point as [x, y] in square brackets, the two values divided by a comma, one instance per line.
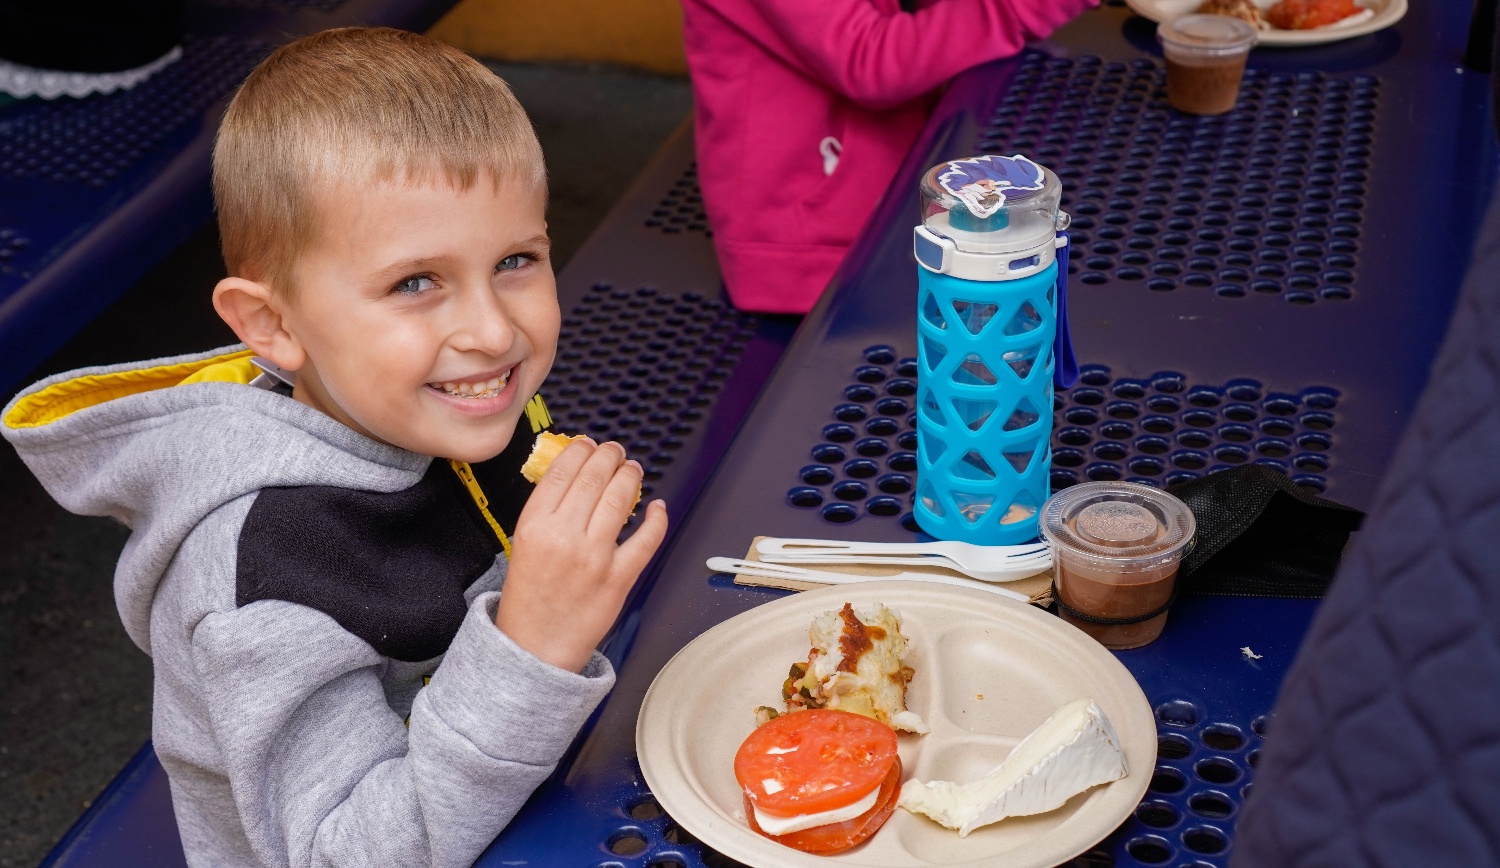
[1116, 547]
[1205, 61]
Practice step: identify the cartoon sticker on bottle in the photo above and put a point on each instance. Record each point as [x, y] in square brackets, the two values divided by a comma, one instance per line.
[982, 183]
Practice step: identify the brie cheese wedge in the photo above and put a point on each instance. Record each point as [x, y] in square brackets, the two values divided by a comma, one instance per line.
[1075, 749]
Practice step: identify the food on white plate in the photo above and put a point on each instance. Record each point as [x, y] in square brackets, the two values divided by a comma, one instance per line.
[820, 781]
[547, 447]
[1310, 14]
[1073, 750]
[855, 664]
[1245, 10]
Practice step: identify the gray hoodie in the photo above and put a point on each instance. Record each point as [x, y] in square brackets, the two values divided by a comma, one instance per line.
[274, 576]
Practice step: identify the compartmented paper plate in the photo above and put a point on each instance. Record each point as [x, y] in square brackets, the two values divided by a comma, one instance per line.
[989, 671]
[1384, 13]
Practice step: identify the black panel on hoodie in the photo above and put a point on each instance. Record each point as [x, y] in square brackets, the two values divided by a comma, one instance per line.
[391, 568]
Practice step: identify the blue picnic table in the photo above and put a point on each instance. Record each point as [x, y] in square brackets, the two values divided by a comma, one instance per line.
[1266, 286]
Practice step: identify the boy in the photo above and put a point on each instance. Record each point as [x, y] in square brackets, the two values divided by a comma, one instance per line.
[309, 550]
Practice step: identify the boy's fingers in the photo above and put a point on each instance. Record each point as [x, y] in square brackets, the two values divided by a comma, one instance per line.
[589, 483]
[636, 551]
[616, 502]
[554, 484]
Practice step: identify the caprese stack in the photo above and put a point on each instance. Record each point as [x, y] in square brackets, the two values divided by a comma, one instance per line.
[821, 780]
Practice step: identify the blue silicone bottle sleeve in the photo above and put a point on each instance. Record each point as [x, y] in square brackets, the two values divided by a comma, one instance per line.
[984, 405]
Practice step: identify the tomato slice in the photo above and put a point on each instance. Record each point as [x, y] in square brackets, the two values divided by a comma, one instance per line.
[1307, 14]
[838, 837]
[816, 760]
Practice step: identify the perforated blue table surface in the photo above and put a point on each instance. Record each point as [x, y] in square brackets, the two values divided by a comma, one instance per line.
[1263, 286]
[95, 191]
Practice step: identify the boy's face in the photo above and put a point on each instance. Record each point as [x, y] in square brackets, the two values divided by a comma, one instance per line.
[428, 316]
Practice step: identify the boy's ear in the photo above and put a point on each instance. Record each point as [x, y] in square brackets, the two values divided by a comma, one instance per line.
[257, 316]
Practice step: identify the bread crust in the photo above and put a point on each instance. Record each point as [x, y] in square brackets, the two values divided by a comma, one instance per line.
[547, 447]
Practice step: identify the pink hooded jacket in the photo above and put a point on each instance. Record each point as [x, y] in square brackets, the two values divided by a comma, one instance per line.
[805, 109]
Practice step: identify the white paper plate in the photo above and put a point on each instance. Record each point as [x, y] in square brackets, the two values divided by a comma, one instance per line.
[1386, 13]
[989, 671]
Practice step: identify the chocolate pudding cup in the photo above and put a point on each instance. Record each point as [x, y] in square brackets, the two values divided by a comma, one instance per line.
[1205, 57]
[1116, 547]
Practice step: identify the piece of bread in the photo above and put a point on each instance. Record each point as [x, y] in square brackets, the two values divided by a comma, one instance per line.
[548, 446]
[855, 664]
[546, 449]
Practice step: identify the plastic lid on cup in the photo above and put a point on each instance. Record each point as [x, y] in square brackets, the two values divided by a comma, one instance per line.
[1123, 524]
[1208, 34]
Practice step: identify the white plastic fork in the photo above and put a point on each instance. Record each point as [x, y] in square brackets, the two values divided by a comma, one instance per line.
[986, 563]
[802, 574]
[1021, 568]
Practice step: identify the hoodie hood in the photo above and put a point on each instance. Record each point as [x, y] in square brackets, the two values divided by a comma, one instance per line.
[159, 445]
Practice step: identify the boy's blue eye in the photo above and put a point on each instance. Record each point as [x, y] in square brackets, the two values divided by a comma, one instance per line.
[513, 262]
[415, 284]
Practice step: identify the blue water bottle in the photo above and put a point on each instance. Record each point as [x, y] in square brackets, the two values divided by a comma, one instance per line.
[992, 340]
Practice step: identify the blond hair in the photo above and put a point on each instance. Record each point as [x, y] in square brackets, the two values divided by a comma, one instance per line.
[351, 106]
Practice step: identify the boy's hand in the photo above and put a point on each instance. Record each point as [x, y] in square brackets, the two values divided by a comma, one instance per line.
[567, 578]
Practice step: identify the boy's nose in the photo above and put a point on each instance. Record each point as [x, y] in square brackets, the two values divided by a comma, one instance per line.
[482, 324]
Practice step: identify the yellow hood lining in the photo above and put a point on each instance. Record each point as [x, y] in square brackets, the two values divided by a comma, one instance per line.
[60, 400]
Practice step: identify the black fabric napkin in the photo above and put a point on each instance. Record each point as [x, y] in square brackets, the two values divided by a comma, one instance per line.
[1260, 535]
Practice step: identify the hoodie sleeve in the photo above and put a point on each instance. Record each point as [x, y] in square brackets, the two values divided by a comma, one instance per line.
[881, 59]
[324, 772]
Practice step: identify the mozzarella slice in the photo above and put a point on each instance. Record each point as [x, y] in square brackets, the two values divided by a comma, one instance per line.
[773, 825]
[1075, 749]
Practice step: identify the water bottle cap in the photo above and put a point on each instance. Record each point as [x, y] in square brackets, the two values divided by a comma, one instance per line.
[992, 204]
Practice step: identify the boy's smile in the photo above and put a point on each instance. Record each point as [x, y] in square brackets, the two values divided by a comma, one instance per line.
[426, 316]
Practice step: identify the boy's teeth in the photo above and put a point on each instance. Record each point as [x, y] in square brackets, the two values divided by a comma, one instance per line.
[481, 389]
